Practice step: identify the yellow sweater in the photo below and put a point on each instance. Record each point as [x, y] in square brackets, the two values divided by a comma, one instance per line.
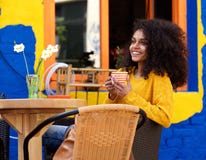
[153, 95]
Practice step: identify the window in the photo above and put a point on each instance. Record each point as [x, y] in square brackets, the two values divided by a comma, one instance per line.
[71, 30]
[163, 9]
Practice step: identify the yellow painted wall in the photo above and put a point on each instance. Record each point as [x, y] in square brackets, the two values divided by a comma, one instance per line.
[189, 103]
[40, 15]
[26, 12]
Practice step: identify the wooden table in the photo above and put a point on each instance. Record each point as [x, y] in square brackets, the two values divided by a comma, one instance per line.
[25, 114]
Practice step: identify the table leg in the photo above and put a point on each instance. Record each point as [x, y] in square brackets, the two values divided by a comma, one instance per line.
[35, 146]
[35, 149]
[23, 124]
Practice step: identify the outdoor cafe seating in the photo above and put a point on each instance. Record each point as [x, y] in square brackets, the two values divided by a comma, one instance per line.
[87, 79]
[68, 79]
[104, 131]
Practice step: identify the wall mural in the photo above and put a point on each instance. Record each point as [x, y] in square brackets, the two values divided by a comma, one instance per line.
[13, 69]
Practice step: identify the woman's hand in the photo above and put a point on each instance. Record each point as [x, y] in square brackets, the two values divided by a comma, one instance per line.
[109, 84]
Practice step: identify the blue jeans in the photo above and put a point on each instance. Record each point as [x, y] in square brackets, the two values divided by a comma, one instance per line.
[53, 137]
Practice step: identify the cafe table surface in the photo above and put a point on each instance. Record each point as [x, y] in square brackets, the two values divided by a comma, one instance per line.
[25, 114]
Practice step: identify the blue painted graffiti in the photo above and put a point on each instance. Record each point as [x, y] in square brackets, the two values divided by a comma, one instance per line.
[13, 69]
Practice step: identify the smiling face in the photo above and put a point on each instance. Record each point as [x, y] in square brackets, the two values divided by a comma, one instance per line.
[138, 47]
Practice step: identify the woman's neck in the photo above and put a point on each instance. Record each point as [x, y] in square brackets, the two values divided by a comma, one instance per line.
[138, 72]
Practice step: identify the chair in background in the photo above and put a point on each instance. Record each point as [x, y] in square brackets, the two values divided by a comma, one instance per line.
[103, 132]
[4, 138]
[4, 135]
[88, 79]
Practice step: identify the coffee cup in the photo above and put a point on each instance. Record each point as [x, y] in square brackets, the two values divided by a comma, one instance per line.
[120, 76]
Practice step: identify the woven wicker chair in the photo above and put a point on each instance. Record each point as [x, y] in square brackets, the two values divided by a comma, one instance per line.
[103, 131]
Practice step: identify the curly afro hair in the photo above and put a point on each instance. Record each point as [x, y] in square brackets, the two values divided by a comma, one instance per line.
[166, 50]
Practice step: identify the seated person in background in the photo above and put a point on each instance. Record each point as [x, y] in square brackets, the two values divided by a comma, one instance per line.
[55, 135]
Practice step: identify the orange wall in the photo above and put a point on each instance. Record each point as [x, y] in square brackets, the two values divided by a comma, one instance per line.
[49, 27]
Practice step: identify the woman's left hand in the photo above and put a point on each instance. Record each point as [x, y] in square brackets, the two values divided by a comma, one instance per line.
[122, 89]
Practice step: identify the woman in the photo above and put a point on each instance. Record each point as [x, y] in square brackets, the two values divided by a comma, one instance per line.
[157, 65]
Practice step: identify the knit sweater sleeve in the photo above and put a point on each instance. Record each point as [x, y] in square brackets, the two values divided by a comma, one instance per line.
[160, 107]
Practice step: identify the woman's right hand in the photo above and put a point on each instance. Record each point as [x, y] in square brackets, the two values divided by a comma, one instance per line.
[109, 84]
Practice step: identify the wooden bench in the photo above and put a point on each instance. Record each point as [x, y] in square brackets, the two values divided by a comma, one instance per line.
[88, 79]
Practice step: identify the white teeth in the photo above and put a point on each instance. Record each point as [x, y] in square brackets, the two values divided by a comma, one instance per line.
[136, 53]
